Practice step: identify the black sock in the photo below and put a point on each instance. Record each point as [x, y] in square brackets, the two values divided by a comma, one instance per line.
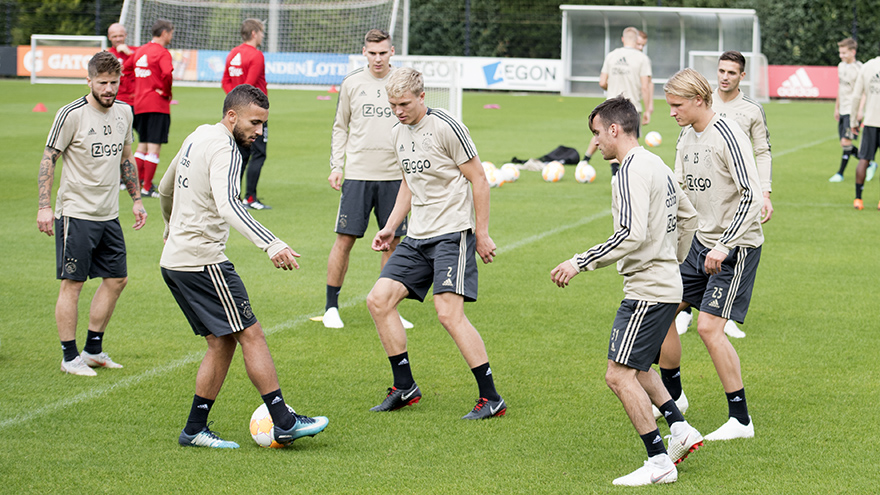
[859, 188]
[844, 159]
[483, 374]
[671, 413]
[653, 443]
[614, 168]
[94, 341]
[686, 310]
[587, 158]
[281, 416]
[403, 378]
[672, 381]
[332, 297]
[198, 415]
[736, 406]
[69, 349]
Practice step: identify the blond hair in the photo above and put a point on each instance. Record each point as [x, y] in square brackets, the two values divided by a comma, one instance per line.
[631, 34]
[689, 84]
[403, 80]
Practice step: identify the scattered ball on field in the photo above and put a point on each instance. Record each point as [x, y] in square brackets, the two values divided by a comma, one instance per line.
[553, 171]
[510, 172]
[584, 173]
[263, 428]
[495, 177]
[489, 165]
[653, 139]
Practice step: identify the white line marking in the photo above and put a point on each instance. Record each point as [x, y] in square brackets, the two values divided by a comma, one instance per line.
[803, 147]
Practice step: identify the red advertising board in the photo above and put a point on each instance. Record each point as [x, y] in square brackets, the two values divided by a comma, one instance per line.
[802, 81]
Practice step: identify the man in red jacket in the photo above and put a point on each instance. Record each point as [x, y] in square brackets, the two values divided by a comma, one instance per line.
[245, 65]
[152, 101]
[116, 33]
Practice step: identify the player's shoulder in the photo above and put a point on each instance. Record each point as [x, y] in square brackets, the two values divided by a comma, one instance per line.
[73, 107]
[354, 75]
[753, 104]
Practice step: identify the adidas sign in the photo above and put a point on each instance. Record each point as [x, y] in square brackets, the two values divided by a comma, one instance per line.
[141, 67]
[276, 400]
[798, 85]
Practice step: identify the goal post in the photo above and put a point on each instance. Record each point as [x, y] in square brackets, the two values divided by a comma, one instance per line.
[442, 76]
[329, 26]
[55, 58]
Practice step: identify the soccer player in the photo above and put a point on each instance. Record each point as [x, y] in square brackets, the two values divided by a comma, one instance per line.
[199, 199]
[868, 85]
[93, 134]
[116, 34]
[730, 102]
[245, 65]
[847, 72]
[446, 189]
[152, 101]
[361, 149]
[627, 72]
[715, 164]
[654, 225]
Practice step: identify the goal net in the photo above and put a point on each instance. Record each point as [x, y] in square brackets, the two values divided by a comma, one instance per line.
[442, 78]
[330, 26]
[756, 84]
[57, 59]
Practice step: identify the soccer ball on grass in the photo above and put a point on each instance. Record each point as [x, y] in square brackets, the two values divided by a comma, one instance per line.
[584, 173]
[653, 139]
[263, 428]
[553, 171]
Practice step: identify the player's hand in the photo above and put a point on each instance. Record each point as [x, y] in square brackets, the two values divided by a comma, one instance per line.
[646, 118]
[46, 221]
[123, 48]
[485, 248]
[713, 261]
[382, 241]
[767, 210]
[140, 215]
[286, 259]
[335, 180]
[836, 114]
[563, 273]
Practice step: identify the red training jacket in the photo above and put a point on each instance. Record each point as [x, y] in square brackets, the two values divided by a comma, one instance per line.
[152, 75]
[245, 65]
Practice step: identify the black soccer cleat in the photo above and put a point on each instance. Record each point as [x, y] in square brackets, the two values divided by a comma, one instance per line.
[486, 408]
[398, 398]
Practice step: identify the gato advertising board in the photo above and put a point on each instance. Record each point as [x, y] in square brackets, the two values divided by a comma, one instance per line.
[55, 61]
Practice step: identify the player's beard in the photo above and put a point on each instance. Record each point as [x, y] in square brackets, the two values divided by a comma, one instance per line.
[241, 137]
[100, 100]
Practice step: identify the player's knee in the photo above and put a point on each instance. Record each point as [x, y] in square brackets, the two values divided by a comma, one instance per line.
[377, 301]
[845, 143]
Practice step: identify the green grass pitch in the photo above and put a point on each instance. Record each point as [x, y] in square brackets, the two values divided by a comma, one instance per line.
[809, 361]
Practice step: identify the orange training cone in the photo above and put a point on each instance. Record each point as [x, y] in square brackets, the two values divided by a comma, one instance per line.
[333, 89]
[40, 108]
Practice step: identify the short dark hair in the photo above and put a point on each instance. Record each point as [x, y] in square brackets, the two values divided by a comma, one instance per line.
[243, 95]
[617, 110]
[734, 56]
[104, 63]
[848, 43]
[249, 27]
[160, 26]
[376, 36]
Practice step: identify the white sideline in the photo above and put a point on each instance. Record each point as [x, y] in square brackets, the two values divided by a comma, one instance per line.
[196, 356]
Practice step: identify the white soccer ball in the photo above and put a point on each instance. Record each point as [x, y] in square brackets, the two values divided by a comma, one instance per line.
[510, 172]
[493, 175]
[263, 428]
[653, 139]
[584, 173]
[553, 171]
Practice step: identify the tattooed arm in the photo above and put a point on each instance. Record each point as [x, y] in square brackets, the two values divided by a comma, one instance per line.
[45, 217]
[129, 177]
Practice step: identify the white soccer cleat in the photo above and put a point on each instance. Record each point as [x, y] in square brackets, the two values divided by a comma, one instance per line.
[872, 168]
[657, 469]
[732, 330]
[406, 323]
[836, 178]
[732, 429]
[331, 319]
[684, 440]
[683, 321]
[77, 367]
[101, 360]
[681, 402]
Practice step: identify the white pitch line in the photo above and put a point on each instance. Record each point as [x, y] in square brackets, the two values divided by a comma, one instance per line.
[193, 357]
[803, 147]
